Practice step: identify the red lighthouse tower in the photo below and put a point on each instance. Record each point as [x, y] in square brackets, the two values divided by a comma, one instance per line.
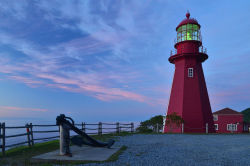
[189, 97]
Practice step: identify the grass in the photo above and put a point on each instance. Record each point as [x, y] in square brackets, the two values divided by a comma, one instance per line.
[22, 155]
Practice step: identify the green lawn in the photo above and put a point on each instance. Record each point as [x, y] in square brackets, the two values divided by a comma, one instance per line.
[22, 155]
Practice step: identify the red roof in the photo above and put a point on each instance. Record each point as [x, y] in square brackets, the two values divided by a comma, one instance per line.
[188, 21]
[227, 111]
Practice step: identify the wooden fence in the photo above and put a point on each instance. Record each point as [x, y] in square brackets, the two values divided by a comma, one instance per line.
[29, 132]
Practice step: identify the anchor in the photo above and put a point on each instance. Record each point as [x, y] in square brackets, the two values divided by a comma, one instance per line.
[66, 124]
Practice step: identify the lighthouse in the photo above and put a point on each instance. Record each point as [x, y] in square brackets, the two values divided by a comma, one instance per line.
[189, 97]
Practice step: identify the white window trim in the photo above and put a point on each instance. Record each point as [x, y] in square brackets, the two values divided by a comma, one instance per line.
[230, 128]
[215, 117]
[191, 72]
[216, 128]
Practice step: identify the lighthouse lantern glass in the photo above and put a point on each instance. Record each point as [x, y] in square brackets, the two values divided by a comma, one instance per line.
[188, 32]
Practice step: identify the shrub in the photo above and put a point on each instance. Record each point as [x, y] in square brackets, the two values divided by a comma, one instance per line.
[148, 125]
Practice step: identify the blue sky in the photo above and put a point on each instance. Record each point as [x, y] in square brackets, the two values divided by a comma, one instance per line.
[106, 60]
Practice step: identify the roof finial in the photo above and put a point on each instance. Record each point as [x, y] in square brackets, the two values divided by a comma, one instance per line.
[188, 15]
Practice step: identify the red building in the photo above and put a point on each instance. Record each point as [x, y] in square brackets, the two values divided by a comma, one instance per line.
[189, 96]
[228, 121]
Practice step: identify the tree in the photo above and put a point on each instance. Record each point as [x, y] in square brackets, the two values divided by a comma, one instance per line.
[147, 126]
[246, 115]
[174, 120]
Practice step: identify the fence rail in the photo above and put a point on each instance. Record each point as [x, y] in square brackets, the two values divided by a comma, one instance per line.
[98, 128]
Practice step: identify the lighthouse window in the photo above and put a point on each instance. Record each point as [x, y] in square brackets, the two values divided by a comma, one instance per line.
[190, 72]
[188, 32]
[195, 27]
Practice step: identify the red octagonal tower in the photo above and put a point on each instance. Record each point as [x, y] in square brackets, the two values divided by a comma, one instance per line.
[189, 97]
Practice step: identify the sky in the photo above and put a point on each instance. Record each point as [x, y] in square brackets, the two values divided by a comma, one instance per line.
[106, 60]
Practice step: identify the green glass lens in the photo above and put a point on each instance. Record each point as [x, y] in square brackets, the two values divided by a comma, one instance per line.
[188, 32]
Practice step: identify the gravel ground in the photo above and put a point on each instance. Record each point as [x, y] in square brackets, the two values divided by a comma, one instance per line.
[182, 150]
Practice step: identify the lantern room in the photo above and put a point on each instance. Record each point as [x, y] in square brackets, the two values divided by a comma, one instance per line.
[188, 29]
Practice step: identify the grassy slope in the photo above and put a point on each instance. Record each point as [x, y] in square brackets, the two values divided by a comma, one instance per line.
[22, 155]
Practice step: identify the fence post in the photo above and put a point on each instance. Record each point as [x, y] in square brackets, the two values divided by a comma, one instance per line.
[1, 135]
[100, 128]
[117, 128]
[28, 134]
[83, 127]
[3, 139]
[206, 128]
[132, 127]
[182, 128]
[31, 134]
[231, 128]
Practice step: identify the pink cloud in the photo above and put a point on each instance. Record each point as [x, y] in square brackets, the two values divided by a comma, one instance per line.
[98, 91]
[11, 108]
[38, 68]
[13, 111]
[105, 97]
[26, 80]
[8, 69]
[85, 83]
[57, 79]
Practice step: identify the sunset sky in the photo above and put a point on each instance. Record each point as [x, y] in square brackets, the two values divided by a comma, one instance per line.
[107, 60]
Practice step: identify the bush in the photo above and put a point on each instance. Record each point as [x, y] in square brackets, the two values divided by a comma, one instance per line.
[144, 129]
[147, 126]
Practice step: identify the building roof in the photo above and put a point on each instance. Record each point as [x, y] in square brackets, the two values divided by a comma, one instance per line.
[188, 20]
[227, 111]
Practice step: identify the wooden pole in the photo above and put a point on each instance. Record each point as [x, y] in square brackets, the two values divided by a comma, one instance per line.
[117, 128]
[231, 127]
[182, 128]
[157, 127]
[1, 135]
[0, 131]
[3, 139]
[28, 134]
[83, 127]
[206, 127]
[132, 127]
[100, 128]
[31, 134]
